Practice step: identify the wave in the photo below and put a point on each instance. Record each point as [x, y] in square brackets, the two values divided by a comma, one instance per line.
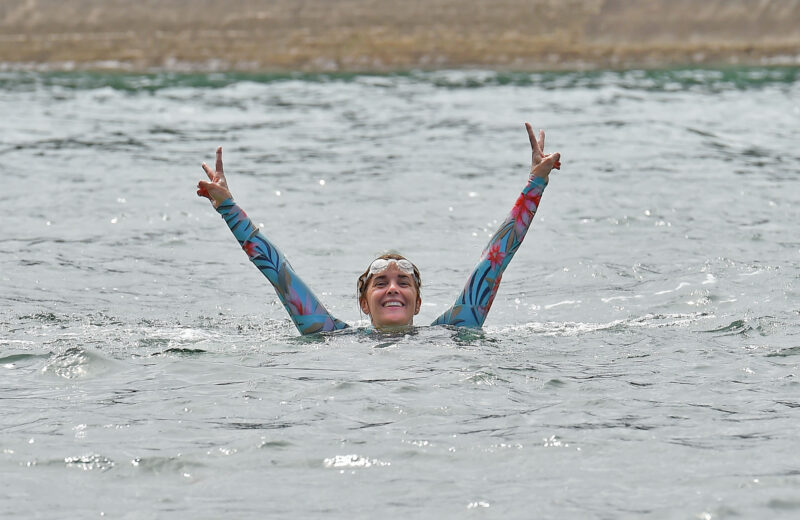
[667, 80]
[77, 363]
[570, 328]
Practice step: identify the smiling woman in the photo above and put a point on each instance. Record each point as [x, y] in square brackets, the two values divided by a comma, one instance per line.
[389, 290]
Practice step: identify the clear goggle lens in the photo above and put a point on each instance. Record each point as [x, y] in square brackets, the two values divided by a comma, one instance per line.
[381, 264]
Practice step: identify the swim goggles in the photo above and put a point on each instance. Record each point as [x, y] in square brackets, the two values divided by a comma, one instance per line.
[381, 264]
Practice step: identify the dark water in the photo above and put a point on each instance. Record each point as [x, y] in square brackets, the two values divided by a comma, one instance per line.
[641, 358]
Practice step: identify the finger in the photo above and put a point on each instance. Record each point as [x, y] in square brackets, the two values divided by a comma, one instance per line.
[555, 160]
[208, 171]
[202, 190]
[219, 160]
[541, 141]
[532, 139]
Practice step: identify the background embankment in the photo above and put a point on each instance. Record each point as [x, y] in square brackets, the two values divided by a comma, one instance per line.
[378, 35]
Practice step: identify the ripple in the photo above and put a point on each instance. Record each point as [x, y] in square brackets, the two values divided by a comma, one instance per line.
[76, 363]
[784, 504]
[90, 462]
[16, 360]
[44, 317]
[187, 352]
[569, 328]
[763, 326]
[169, 465]
[785, 352]
[353, 461]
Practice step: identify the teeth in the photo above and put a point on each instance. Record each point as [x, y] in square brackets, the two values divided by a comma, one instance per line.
[392, 304]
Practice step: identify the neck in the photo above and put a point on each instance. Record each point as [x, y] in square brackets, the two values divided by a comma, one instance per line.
[393, 328]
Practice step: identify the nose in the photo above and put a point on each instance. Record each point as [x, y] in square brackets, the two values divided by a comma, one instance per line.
[392, 287]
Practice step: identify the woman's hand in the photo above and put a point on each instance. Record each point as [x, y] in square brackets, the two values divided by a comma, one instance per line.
[541, 164]
[217, 189]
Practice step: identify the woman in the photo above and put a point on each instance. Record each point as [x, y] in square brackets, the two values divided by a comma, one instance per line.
[389, 290]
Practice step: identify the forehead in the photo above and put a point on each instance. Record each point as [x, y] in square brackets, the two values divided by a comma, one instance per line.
[391, 271]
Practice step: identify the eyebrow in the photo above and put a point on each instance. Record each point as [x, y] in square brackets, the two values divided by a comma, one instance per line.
[384, 277]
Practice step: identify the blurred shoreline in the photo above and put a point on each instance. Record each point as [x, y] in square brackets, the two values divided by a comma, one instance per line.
[382, 36]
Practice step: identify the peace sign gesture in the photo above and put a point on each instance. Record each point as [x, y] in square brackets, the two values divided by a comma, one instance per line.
[217, 189]
[541, 164]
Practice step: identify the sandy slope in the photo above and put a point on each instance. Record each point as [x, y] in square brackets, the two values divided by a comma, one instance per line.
[388, 35]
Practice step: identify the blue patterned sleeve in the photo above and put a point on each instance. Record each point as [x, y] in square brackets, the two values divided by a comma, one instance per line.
[472, 305]
[306, 311]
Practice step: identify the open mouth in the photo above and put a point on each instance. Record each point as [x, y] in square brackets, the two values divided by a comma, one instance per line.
[394, 304]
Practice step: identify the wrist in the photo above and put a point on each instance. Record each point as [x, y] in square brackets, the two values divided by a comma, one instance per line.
[223, 205]
[538, 180]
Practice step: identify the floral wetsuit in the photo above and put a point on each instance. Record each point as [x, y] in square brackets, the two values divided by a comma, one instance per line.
[470, 308]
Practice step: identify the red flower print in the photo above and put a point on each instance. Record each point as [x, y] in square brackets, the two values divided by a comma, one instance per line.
[495, 256]
[302, 303]
[251, 249]
[296, 304]
[523, 210]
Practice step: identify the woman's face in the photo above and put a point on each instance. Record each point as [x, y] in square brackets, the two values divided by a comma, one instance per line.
[391, 298]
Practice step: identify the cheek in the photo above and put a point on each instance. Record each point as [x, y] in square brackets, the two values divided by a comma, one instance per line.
[371, 298]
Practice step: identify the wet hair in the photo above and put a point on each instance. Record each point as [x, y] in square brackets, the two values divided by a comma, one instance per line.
[363, 280]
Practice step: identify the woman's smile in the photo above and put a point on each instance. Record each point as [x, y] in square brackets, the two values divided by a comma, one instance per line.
[391, 298]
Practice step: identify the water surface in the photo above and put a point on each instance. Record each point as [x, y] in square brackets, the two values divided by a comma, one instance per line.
[641, 358]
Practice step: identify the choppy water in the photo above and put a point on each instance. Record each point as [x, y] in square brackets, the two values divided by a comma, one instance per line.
[641, 358]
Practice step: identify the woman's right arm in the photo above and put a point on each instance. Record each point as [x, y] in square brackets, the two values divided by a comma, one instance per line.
[306, 311]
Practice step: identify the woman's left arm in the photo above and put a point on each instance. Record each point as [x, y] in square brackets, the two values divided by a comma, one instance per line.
[472, 305]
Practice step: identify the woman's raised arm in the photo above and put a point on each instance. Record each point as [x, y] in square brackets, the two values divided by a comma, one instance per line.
[306, 311]
[472, 305]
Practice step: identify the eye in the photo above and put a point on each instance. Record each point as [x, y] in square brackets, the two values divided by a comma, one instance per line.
[379, 283]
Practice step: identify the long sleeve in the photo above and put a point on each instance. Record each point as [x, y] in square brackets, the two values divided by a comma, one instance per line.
[472, 305]
[306, 311]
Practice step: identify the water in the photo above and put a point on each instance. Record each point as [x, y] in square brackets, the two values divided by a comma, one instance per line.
[641, 358]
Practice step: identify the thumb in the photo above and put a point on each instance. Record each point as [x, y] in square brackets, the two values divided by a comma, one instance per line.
[554, 160]
[548, 163]
[202, 189]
